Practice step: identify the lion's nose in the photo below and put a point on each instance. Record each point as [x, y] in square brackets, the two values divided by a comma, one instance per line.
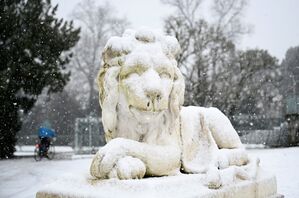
[153, 94]
[153, 99]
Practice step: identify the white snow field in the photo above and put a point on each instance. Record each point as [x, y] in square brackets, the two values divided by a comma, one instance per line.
[24, 177]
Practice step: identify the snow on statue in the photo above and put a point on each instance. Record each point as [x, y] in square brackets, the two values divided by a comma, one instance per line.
[147, 129]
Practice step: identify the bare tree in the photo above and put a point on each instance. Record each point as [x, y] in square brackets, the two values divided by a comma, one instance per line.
[228, 18]
[187, 9]
[217, 74]
[189, 27]
[206, 55]
[98, 23]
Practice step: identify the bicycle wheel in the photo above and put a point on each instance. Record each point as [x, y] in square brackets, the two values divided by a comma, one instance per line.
[37, 154]
[51, 152]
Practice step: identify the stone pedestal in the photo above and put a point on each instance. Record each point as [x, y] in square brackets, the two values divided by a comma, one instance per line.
[191, 185]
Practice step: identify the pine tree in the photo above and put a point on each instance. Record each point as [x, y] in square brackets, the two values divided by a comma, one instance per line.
[34, 51]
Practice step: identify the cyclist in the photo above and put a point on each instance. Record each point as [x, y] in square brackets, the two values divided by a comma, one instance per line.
[45, 135]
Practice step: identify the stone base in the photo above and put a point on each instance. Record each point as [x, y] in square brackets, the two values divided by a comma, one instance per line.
[174, 186]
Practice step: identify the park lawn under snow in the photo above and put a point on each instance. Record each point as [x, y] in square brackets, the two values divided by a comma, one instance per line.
[24, 177]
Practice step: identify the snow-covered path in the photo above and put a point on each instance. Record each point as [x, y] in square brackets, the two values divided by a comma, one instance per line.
[24, 177]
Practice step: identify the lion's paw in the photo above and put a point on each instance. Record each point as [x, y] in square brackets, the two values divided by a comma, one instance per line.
[129, 168]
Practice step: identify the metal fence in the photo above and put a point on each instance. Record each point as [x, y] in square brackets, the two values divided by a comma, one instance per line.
[89, 134]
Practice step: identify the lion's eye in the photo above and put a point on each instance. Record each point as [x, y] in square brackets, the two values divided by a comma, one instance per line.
[138, 70]
[165, 75]
[132, 74]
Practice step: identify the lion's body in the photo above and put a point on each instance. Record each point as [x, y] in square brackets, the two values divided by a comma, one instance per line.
[146, 127]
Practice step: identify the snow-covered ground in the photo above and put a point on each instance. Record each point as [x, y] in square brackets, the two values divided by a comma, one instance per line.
[284, 163]
[24, 177]
[29, 150]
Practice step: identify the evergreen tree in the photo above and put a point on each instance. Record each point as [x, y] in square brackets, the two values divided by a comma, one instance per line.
[291, 71]
[34, 49]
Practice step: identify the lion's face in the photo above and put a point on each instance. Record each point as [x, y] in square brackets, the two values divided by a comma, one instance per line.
[139, 81]
[146, 80]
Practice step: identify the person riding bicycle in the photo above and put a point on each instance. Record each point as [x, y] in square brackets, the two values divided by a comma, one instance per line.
[46, 136]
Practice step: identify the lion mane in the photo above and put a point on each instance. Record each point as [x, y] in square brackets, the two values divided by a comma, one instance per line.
[114, 55]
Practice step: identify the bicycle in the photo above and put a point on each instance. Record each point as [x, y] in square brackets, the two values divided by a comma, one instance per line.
[45, 147]
[42, 151]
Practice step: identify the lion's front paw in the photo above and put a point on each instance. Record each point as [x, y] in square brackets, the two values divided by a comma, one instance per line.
[128, 168]
[123, 168]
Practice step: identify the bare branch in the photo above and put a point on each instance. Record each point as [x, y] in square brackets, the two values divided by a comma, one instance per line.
[98, 23]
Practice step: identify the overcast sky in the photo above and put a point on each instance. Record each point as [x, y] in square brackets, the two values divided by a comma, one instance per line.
[275, 22]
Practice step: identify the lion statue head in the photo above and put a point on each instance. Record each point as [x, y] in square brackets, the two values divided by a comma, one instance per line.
[139, 83]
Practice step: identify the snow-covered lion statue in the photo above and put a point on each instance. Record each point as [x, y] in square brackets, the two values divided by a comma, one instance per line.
[148, 131]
